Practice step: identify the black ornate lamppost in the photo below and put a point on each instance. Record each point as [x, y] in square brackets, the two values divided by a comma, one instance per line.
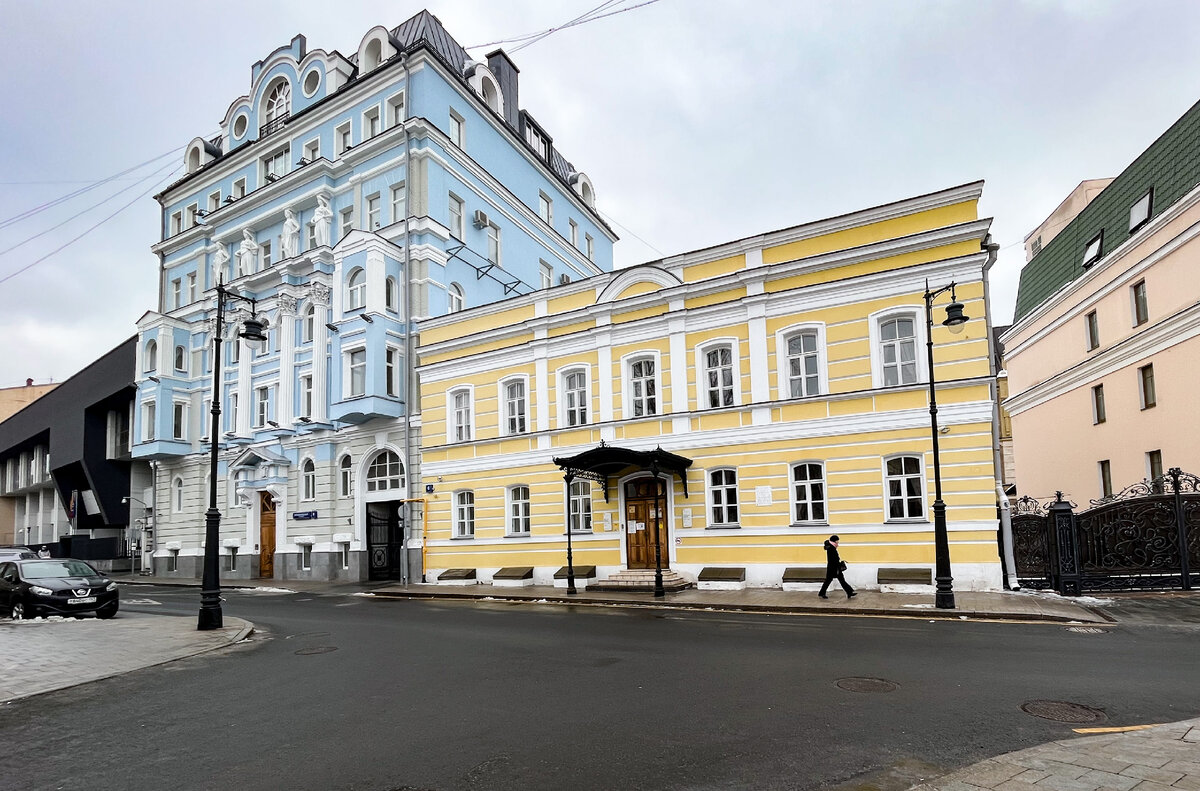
[570, 477]
[659, 517]
[955, 321]
[210, 587]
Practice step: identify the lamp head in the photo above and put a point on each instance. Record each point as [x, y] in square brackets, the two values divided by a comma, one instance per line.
[252, 329]
[956, 320]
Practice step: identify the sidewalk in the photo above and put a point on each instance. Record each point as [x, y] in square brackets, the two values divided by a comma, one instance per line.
[1161, 758]
[1020, 606]
[43, 655]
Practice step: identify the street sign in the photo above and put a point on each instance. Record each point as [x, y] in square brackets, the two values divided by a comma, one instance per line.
[301, 515]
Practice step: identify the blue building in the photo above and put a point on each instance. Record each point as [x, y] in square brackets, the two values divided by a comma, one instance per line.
[348, 197]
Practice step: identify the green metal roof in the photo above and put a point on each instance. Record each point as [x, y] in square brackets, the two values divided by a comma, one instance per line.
[1171, 166]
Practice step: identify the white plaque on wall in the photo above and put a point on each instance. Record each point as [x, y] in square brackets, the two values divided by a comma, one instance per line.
[762, 495]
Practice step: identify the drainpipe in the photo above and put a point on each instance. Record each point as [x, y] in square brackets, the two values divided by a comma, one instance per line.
[1006, 538]
[408, 346]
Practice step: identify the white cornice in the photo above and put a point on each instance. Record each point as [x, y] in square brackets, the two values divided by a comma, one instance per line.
[1182, 326]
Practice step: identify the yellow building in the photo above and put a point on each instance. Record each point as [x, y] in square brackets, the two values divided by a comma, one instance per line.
[783, 376]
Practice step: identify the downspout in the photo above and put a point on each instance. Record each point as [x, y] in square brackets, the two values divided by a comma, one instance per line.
[408, 346]
[1006, 538]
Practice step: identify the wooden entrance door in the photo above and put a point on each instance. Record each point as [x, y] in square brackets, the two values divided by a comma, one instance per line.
[645, 499]
[266, 536]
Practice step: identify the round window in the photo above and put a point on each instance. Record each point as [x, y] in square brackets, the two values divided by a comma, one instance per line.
[312, 81]
[239, 125]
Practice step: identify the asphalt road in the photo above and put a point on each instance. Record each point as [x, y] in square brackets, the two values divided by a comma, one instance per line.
[350, 692]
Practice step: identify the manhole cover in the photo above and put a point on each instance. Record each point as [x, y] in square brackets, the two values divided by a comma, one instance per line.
[307, 634]
[1087, 630]
[867, 685]
[316, 649]
[1062, 711]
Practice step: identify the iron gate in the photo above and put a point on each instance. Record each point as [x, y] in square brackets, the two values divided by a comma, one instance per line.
[1146, 537]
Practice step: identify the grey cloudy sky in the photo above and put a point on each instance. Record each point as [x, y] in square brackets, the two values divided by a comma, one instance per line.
[698, 122]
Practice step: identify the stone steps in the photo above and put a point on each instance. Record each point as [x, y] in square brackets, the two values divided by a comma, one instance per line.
[641, 579]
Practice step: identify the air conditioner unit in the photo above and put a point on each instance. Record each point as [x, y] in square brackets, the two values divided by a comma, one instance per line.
[564, 279]
[481, 219]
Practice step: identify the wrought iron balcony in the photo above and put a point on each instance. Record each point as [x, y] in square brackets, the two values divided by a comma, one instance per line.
[272, 126]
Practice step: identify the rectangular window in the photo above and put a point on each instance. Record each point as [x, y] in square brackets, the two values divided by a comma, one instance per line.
[644, 387]
[1105, 479]
[579, 516]
[345, 554]
[265, 250]
[396, 109]
[1094, 250]
[214, 201]
[462, 415]
[718, 377]
[176, 222]
[312, 150]
[456, 130]
[514, 407]
[392, 370]
[306, 557]
[493, 233]
[371, 123]
[372, 213]
[399, 210]
[898, 345]
[464, 515]
[275, 165]
[239, 188]
[574, 231]
[518, 511]
[233, 407]
[1139, 212]
[547, 274]
[342, 138]
[589, 245]
[346, 221]
[538, 142]
[1146, 386]
[1092, 328]
[808, 493]
[1141, 312]
[235, 351]
[575, 398]
[231, 559]
[262, 403]
[545, 208]
[723, 498]
[306, 396]
[176, 292]
[1099, 415]
[456, 217]
[173, 560]
[803, 374]
[1154, 465]
[905, 488]
[358, 372]
[192, 211]
[179, 422]
[191, 287]
[311, 237]
[148, 420]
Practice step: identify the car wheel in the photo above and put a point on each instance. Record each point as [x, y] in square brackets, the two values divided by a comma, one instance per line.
[107, 611]
[18, 611]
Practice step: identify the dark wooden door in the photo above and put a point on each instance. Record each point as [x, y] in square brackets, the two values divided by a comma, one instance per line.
[266, 536]
[644, 501]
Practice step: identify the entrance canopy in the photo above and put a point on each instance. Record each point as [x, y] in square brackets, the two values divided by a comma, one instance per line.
[604, 461]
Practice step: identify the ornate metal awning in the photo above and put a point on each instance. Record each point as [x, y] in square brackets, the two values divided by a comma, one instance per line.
[603, 461]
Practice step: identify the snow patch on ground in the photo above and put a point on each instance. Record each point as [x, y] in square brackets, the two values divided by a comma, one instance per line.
[919, 606]
[266, 590]
[47, 619]
[362, 593]
[1092, 600]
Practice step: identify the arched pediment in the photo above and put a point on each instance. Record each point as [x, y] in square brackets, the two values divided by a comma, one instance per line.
[638, 280]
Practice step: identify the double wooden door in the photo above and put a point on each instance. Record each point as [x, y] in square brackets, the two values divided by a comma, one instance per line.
[645, 502]
[266, 536]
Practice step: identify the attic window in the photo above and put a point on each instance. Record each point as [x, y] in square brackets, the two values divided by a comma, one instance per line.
[312, 81]
[535, 139]
[1139, 212]
[1093, 251]
[239, 125]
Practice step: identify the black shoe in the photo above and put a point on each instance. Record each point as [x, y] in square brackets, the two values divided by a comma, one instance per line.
[822, 595]
[851, 594]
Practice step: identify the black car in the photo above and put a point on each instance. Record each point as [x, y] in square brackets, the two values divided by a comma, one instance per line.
[58, 586]
[16, 553]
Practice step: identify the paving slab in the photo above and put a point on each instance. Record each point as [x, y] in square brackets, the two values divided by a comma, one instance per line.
[45, 654]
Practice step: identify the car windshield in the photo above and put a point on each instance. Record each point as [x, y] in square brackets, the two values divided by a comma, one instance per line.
[48, 569]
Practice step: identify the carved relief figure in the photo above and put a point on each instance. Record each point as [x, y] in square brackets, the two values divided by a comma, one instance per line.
[289, 243]
[220, 260]
[322, 219]
[247, 252]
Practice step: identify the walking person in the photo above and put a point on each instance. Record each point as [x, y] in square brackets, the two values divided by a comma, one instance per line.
[834, 567]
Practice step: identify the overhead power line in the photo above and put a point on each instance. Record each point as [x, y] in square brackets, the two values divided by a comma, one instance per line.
[528, 39]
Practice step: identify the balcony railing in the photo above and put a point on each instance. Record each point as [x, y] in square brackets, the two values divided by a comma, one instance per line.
[272, 126]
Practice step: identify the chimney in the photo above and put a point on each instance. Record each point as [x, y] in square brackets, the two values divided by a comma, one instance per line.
[29, 383]
[506, 72]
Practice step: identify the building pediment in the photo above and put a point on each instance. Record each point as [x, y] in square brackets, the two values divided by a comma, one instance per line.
[253, 458]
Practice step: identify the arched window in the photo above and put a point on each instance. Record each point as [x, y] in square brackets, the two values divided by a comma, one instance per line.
[345, 477]
[589, 197]
[464, 515]
[491, 96]
[356, 290]
[279, 102]
[150, 358]
[386, 472]
[372, 55]
[309, 475]
[389, 293]
[193, 162]
[181, 359]
[310, 316]
[455, 300]
[177, 496]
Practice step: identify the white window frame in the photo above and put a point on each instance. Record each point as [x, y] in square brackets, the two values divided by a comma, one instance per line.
[1134, 303]
[343, 138]
[589, 247]
[191, 214]
[306, 557]
[1143, 402]
[306, 395]
[795, 501]
[517, 520]
[177, 293]
[1091, 330]
[179, 420]
[214, 201]
[191, 287]
[395, 102]
[391, 294]
[308, 324]
[456, 299]
[505, 403]
[1099, 404]
[399, 201]
[1137, 217]
[356, 293]
[372, 211]
[546, 208]
[710, 495]
[180, 358]
[701, 357]
[574, 231]
[150, 356]
[547, 273]
[149, 420]
[456, 210]
[308, 480]
[264, 254]
[464, 514]
[562, 409]
[311, 150]
[460, 420]
[627, 389]
[1104, 474]
[177, 494]
[348, 357]
[274, 164]
[387, 482]
[392, 367]
[456, 130]
[262, 406]
[239, 188]
[887, 498]
[783, 370]
[345, 476]
[875, 320]
[345, 222]
[372, 115]
[176, 222]
[574, 499]
[495, 244]
[1093, 251]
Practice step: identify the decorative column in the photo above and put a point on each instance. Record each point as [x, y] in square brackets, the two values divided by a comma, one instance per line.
[319, 297]
[285, 405]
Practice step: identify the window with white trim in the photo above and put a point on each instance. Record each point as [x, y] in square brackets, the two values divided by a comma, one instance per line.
[575, 397]
[1137, 298]
[179, 421]
[456, 130]
[308, 474]
[262, 406]
[310, 320]
[1092, 330]
[181, 361]
[545, 208]
[306, 395]
[518, 511]
[547, 274]
[574, 233]
[455, 300]
[177, 292]
[371, 210]
[1146, 393]
[346, 221]
[808, 492]
[385, 472]
[589, 246]
[176, 222]
[345, 477]
[389, 294]
[279, 102]
[643, 387]
[399, 210]
[191, 287]
[718, 384]
[391, 365]
[904, 488]
[722, 498]
[396, 109]
[898, 350]
[306, 557]
[461, 415]
[231, 417]
[371, 123]
[214, 201]
[514, 406]
[579, 514]
[1094, 250]
[150, 357]
[274, 166]
[265, 254]
[356, 368]
[464, 515]
[239, 188]
[177, 496]
[803, 364]
[149, 417]
[1139, 212]
[456, 209]
[312, 150]
[356, 289]
[493, 234]
[342, 138]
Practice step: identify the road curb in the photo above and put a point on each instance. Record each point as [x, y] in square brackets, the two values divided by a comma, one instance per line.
[789, 609]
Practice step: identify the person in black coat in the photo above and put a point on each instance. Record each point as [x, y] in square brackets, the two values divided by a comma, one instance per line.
[834, 568]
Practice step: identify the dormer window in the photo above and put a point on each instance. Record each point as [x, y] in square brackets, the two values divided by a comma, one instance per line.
[1139, 212]
[278, 106]
[1093, 251]
[538, 141]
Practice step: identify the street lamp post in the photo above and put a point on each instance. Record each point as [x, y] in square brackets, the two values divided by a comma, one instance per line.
[570, 477]
[955, 321]
[658, 524]
[210, 587]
